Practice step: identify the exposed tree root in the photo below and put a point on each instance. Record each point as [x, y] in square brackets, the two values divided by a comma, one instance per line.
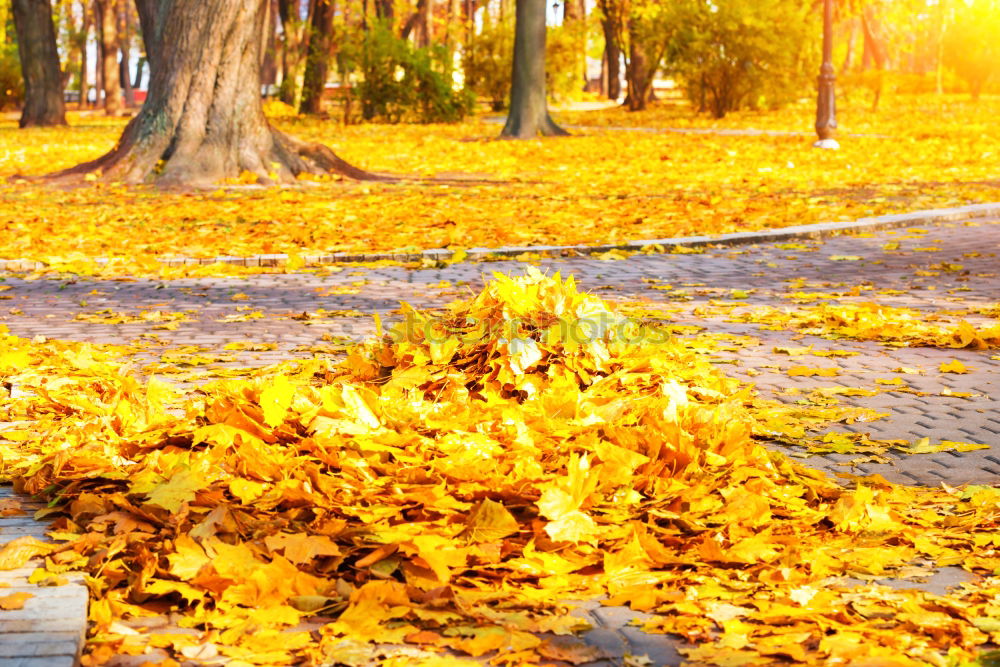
[529, 126]
[273, 156]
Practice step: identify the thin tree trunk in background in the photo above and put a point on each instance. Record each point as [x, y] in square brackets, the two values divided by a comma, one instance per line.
[575, 15]
[82, 39]
[318, 61]
[414, 20]
[269, 46]
[469, 8]
[529, 115]
[294, 46]
[125, 46]
[874, 51]
[107, 15]
[612, 56]
[151, 14]
[36, 46]
[942, 29]
[385, 10]
[425, 25]
[845, 67]
[203, 120]
[140, 68]
[638, 78]
[98, 71]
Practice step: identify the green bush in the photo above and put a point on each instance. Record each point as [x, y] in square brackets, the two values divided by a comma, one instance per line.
[11, 83]
[400, 82]
[733, 54]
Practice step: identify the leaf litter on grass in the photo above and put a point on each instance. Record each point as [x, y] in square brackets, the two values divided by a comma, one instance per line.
[453, 477]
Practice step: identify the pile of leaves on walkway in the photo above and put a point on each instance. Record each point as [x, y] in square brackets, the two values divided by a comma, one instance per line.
[452, 479]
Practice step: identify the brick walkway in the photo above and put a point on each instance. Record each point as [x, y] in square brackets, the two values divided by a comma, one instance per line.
[305, 313]
[49, 629]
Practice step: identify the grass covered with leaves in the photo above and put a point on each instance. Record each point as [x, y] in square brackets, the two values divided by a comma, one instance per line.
[452, 478]
[610, 182]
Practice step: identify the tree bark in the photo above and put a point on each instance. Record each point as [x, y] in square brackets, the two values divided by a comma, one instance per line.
[639, 72]
[318, 60]
[295, 38]
[612, 57]
[150, 23]
[529, 115]
[269, 46]
[203, 119]
[411, 22]
[424, 35]
[874, 50]
[107, 18]
[81, 37]
[385, 10]
[36, 46]
[124, 75]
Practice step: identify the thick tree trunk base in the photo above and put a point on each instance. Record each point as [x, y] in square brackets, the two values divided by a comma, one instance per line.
[273, 156]
[520, 127]
[529, 115]
[44, 118]
[203, 121]
[36, 44]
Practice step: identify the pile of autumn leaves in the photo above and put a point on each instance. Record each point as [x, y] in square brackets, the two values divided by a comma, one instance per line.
[452, 478]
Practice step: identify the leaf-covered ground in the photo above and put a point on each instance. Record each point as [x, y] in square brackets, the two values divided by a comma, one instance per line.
[623, 177]
[452, 478]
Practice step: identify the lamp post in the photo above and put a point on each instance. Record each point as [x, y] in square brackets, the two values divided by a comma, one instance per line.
[826, 103]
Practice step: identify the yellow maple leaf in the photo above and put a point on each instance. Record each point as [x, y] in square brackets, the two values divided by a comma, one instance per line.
[275, 400]
[181, 488]
[14, 601]
[16, 553]
[301, 547]
[953, 366]
[490, 521]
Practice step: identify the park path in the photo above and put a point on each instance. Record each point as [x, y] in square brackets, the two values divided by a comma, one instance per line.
[945, 267]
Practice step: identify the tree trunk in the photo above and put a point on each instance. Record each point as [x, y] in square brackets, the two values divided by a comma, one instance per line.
[638, 77]
[318, 61]
[107, 16]
[140, 65]
[84, 57]
[612, 55]
[845, 67]
[203, 120]
[294, 44]
[385, 10]
[575, 17]
[36, 46]
[269, 44]
[424, 29]
[529, 115]
[151, 15]
[874, 50]
[414, 19]
[125, 43]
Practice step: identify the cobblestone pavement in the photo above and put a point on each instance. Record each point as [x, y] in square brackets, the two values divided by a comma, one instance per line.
[948, 267]
[48, 630]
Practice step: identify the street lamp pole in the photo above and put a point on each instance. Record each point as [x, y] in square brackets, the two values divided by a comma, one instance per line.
[826, 103]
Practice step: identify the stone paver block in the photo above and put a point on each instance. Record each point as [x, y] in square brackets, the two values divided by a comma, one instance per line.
[660, 649]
